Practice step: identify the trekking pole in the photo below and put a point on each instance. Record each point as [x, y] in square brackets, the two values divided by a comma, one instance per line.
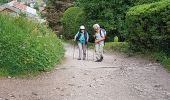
[73, 49]
[87, 53]
[94, 52]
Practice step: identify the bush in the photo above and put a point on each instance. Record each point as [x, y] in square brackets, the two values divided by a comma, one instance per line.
[149, 27]
[27, 47]
[108, 13]
[73, 17]
[166, 63]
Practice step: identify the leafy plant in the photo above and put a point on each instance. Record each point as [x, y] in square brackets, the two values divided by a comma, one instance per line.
[27, 47]
[72, 19]
[148, 27]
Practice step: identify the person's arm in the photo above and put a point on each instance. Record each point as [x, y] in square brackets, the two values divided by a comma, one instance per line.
[102, 39]
[76, 36]
[87, 37]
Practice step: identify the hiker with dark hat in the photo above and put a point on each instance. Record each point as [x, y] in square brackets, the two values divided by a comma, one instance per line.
[82, 37]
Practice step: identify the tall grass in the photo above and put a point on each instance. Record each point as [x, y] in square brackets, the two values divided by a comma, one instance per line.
[27, 47]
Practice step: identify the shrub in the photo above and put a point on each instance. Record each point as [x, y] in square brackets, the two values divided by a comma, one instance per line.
[108, 13]
[149, 27]
[73, 17]
[27, 47]
[166, 63]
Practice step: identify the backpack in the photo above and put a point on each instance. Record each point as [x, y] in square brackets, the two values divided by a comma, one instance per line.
[104, 31]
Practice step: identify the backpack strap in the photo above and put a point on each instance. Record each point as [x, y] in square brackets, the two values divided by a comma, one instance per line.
[79, 34]
[78, 37]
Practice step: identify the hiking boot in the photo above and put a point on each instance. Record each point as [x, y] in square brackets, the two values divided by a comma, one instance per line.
[79, 59]
[101, 58]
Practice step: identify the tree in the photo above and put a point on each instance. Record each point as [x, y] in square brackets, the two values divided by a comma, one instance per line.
[110, 13]
[4, 1]
[55, 10]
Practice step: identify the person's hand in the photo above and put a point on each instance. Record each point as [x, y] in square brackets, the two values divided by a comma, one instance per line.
[97, 41]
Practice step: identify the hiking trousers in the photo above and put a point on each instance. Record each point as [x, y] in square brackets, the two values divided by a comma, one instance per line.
[82, 50]
[99, 50]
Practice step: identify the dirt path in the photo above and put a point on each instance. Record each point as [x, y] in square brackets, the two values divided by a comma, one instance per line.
[118, 77]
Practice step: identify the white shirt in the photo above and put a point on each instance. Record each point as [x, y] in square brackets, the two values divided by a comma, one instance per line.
[100, 36]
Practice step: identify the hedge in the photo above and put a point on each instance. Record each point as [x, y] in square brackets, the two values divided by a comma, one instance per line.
[27, 47]
[73, 17]
[149, 27]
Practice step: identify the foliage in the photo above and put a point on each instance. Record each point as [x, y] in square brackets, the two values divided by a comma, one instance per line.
[36, 6]
[149, 27]
[73, 17]
[4, 1]
[55, 10]
[110, 14]
[27, 47]
[162, 58]
[166, 63]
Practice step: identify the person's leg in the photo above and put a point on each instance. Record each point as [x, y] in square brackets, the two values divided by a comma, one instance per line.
[101, 52]
[80, 50]
[84, 51]
[97, 46]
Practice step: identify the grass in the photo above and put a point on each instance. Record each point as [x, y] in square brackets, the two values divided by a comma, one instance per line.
[116, 46]
[27, 48]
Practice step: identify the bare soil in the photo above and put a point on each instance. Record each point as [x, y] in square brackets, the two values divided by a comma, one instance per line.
[118, 77]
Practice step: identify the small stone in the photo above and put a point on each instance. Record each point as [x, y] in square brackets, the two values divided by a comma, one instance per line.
[73, 77]
[157, 86]
[71, 84]
[101, 77]
[62, 89]
[57, 88]
[62, 94]
[12, 96]
[102, 84]
[33, 93]
[94, 79]
[85, 74]
[79, 86]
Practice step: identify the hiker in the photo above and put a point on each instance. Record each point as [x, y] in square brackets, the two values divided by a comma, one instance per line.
[82, 37]
[99, 42]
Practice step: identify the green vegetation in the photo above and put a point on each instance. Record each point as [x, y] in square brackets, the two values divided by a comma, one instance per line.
[116, 39]
[110, 14]
[117, 46]
[141, 25]
[149, 29]
[27, 47]
[166, 63]
[72, 19]
[148, 26]
[4, 1]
